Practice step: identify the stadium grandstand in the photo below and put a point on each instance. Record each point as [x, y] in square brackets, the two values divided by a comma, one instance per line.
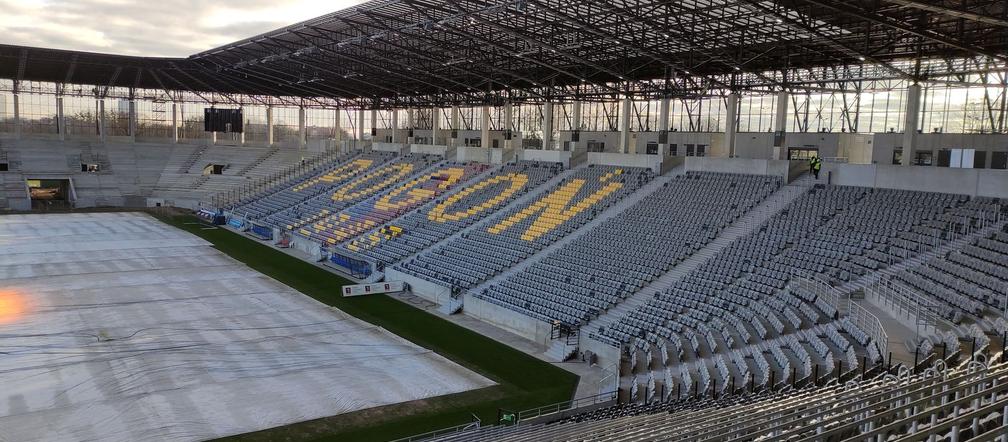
[520, 220]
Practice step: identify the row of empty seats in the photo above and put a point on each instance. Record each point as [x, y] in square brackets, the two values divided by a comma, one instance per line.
[519, 232]
[443, 217]
[601, 268]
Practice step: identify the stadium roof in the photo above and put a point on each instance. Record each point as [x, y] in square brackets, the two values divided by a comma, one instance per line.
[439, 52]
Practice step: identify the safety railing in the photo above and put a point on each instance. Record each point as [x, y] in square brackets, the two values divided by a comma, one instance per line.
[558, 407]
[863, 319]
[905, 304]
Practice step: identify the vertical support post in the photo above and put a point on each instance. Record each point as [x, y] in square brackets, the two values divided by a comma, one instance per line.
[174, 122]
[395, 126]
[575, 124]
[101, 119]
[454, 125]
[132, 120]
[547, 126]
[624, 127]
[731, 124]
[17, 113]
[302, 129]
[360, 126]
[410, 126]
[509, 125]
[780, 125]
[663, 126]
[338, 130]
[435, 125]
[374, 125]
[269, 126]
[60, 119]
[241, 136]
[911, 121]
[485, 127]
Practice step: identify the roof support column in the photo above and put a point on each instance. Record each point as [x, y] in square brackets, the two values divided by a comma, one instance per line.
[241, 135]
[17, 114]
[731, 124]
[410, 126]
[395, 126]
[101, 118]
[911, 123]
[374, 125]
[435, 125]
[174, 123]
[302, 128]
[547, 126]
[269, 125]
[60, 119]
[575, 125]
[360, 126]
[663, 120]
[485, 126]
[624, 127]
[780, 125]
[454, 125]
[132, 120]
[508, 124]
[338, 130]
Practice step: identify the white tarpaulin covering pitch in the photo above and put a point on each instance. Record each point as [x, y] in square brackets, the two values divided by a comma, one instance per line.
[118, 327]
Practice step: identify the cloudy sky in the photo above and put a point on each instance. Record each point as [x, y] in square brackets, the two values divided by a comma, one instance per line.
[168, 28]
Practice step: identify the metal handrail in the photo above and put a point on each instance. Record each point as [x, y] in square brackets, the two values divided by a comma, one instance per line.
[546, 410]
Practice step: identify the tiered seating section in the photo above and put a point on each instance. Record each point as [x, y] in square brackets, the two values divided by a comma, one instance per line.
[439, 219]
[601, 268]
[742, 304]
[968, 285]
[521, 231]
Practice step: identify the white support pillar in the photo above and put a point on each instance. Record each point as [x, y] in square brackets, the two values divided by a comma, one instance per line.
[485, 127]
[731, 124]
[60, 119]
[410, 126]
[779, 146]
[547, 126]
[17, 116]
[174, 123]
[101, 120]
[435, 125]
[132, 120]
[575, 124]
[508, 124]
[374, 125]
[663, 123]
[625, 146]
[454, 125]
[395, 127]
[302, 128]
[360, 126]
[338, 130]
[910, 124]
[269, 126]
[241, 136]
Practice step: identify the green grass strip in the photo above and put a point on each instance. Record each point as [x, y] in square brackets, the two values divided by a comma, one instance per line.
[524, 381]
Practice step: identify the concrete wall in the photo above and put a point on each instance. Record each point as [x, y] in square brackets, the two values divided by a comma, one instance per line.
[423, 288]
[606, 354]
[982, 182]
[431, 149]
[522, 325]
[653, 162]
[738, 165]
[389, 147]
[885, 144]
[857, 148]
[552, 156]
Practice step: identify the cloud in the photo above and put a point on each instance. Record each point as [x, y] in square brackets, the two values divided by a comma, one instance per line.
[158, 28]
